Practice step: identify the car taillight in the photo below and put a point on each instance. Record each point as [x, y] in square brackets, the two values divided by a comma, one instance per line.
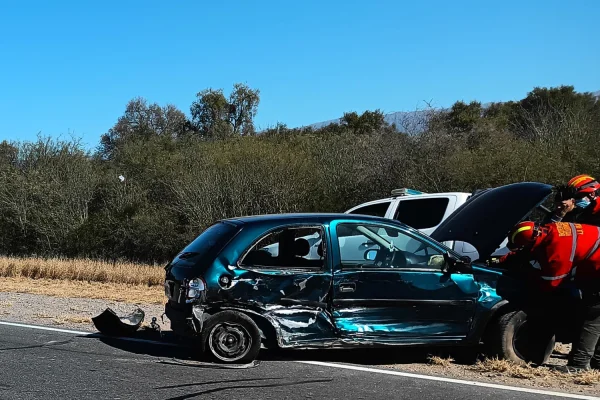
[195, 289]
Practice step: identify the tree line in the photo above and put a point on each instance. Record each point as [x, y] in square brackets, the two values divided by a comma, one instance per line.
[158, 176]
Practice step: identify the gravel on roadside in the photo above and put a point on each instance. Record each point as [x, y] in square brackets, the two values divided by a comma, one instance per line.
[69, 313]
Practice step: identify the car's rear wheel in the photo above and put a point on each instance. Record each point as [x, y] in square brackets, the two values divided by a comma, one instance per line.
[231, 337]
[515, 338]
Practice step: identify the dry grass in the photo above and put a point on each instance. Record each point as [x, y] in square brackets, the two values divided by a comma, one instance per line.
[587, 378]
[82, 270]
[129, 282]
[563, 349]
[494, 365]
[137, 294]
[440, 361]
[6, 304]
[507, 368]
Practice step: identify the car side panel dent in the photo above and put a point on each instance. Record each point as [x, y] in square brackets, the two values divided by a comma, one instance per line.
[293, 301]
[489, 304]
[466, 283]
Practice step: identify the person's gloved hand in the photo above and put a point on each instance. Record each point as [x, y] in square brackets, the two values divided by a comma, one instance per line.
[493, 261]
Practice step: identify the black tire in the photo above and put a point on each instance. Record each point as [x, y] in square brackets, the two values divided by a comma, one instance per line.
[511, 338]
[230, 337]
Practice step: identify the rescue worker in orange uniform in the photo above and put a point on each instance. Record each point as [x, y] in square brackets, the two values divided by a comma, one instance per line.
[579, 201]
[564, 254]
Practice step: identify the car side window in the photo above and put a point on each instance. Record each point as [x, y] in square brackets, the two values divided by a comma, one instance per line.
[374, 246]
[376, 210]
[288, 248]
[422, 213]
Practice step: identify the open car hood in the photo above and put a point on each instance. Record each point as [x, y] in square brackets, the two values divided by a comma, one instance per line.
[485, 218]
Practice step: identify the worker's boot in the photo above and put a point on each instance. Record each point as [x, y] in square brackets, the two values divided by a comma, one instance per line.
[595, 361]
[570, 369]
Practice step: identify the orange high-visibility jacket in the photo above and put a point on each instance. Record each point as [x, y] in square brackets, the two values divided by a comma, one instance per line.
[565, 252]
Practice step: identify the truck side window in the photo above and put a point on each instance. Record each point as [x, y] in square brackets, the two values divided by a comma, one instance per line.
[422, 213]
[376, 210]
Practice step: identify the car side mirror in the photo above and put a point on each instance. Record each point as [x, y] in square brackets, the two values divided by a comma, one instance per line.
[370, 255]
[453, 265]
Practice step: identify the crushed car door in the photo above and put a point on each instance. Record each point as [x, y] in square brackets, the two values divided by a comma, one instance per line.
[397, 293]
[286, 282]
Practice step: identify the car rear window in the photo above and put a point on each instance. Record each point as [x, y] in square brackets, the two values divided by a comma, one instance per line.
[422, 213]
[210, 242]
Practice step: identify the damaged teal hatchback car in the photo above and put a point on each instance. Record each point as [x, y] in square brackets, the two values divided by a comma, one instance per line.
[298, 281]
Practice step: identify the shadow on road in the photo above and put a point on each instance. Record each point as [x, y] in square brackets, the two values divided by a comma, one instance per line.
[234, 385]
[186, 350]
[375, 356]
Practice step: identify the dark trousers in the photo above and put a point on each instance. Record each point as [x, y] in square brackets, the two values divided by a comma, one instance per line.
[586, 345]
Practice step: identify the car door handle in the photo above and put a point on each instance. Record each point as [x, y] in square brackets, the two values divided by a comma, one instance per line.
[347, 287]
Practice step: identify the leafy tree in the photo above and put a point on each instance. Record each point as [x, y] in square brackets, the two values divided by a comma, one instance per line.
[155, 183]
[463, 117]
[244, 102]
[210, 114]
[216, 117]
[366, 123]
[141, 120]
[550, 114]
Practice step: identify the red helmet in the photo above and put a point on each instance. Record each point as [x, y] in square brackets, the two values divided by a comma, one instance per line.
[523, 234]
[583, 184]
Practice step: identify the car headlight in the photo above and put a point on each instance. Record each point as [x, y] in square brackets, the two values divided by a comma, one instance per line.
[195, 288]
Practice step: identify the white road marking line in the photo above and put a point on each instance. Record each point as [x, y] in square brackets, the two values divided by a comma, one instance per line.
[44, 328]
[450, 380]
[87, 334]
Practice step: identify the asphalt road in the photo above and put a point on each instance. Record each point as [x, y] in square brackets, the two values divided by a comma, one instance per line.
[44, 364]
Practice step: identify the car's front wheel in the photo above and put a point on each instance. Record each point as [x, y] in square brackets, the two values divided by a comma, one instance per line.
[515, 338]
[231, 337]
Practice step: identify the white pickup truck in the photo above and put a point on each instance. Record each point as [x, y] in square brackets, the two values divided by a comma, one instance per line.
[422, 211]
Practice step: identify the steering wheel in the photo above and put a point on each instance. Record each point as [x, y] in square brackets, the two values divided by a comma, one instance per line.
[399, 259]
[390, 259]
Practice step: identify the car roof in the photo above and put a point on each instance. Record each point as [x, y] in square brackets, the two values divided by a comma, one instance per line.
[426, 195]
[306, 217]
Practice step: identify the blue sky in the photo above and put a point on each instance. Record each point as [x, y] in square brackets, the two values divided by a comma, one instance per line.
[70, 67]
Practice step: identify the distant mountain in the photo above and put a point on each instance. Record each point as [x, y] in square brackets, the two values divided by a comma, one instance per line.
[404, 120]
[408, 121]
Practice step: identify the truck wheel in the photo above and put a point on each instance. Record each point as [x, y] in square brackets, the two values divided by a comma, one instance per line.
[513, 338]
[231, 337]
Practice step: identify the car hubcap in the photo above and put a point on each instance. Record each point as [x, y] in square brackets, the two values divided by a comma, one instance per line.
[229, 342]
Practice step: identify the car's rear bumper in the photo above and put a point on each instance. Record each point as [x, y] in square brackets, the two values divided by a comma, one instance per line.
[181, 318]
